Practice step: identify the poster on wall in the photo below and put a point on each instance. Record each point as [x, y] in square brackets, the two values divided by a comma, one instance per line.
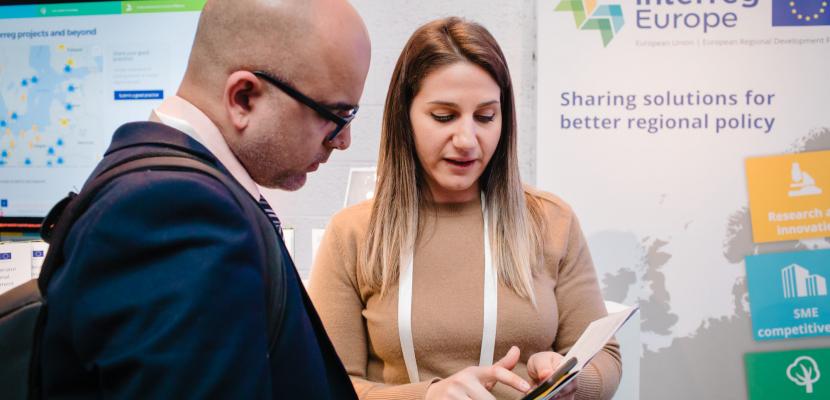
[648, 111]
[70, 74]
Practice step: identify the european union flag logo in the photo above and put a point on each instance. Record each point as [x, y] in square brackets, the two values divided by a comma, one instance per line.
[800, 12]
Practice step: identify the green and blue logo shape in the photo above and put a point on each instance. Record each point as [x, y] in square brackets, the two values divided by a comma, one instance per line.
[605, 18]
[800, 12]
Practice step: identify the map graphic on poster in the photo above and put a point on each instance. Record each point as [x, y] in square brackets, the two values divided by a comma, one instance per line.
[646, 136]
[70, 75]
[46, 103]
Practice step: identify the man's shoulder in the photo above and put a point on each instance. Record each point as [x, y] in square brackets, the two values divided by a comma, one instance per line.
[153, 201]
[168, 187]
[159, 219]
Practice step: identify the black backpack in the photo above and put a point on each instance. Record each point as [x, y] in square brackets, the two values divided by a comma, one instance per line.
[23, 309]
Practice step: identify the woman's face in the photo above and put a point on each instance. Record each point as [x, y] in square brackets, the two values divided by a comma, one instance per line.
[456, 120]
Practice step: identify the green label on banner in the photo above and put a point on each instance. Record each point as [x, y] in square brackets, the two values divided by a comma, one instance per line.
[791, 375]
[156, 6]
[100, 8]
[77, 9]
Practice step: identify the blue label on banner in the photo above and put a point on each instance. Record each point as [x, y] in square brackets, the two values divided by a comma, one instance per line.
[4, 203]
[788, 295]
[18, 12]
[5, 256]
[138, 94]
[800, 12]
[38, 253]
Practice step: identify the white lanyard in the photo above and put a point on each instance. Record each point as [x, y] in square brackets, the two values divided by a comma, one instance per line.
[488, 336]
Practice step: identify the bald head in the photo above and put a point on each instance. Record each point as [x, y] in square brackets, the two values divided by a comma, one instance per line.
[246, 58]
[296, 40]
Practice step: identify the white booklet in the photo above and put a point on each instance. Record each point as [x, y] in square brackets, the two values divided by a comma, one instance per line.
[596, 335]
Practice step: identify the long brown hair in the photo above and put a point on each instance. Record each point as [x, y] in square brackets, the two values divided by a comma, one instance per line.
[401, 189]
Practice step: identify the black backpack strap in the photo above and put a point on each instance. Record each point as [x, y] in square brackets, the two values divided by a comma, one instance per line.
[60, 220]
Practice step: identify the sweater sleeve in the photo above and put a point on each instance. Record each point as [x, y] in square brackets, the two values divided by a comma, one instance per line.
[580, 302]
[336, 295]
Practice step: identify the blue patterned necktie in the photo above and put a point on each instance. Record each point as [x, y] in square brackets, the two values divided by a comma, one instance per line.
[271, 214]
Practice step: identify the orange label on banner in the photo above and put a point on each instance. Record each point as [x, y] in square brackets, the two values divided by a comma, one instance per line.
[789, 196]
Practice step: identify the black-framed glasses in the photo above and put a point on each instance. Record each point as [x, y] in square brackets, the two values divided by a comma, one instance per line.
[325, 112]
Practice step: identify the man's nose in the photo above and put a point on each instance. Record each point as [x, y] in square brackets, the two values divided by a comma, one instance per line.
[342, 140]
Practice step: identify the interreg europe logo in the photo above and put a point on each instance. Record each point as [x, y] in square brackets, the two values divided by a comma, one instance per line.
[606, 18]
[800, 12]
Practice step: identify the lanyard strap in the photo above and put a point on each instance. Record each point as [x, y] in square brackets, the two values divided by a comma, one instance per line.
[488, 336]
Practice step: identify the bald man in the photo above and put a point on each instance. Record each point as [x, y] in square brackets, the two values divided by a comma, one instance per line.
[164, 290]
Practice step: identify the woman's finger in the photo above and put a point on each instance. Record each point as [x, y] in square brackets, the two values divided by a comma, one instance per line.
[510, 359]
[541, 365]
[544, 367]
[498, 373]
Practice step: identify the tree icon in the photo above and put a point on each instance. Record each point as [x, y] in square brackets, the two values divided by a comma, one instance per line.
[804, 372]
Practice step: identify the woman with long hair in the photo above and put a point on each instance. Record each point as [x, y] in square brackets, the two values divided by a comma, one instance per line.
[455, 262]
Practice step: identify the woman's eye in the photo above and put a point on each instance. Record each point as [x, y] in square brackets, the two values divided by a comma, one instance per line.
[486, 118]
[443, 117]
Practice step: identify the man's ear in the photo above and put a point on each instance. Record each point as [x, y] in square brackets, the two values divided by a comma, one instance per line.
[242, 91]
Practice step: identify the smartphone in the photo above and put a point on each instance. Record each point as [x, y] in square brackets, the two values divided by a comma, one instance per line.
[561, 377]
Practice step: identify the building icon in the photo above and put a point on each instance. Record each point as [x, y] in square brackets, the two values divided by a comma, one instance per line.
[798, 282]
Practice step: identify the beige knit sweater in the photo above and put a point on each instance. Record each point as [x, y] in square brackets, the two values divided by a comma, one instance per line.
[447, 303]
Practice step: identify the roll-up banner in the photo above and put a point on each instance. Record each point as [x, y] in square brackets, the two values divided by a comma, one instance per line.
[689, 135]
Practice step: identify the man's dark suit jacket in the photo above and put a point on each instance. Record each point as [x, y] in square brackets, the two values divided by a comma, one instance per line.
[162, 295]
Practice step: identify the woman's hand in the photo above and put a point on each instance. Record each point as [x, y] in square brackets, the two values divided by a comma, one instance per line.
[541, 365]
[475, 383]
